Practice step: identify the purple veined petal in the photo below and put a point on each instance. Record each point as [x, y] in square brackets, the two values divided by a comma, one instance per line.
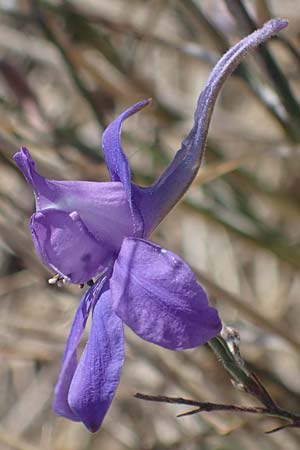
[157, 295]
[69, 362]
[103, 206]
[116, 160]
[63, 243]
[156, 201]
[27, 166]
[97, 375]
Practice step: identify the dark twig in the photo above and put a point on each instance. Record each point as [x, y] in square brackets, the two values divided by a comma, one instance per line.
[217, 407]
[226, 348]
[208, 407]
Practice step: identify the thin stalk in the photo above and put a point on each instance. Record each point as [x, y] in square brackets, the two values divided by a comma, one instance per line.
[227, 352]
[209, 407]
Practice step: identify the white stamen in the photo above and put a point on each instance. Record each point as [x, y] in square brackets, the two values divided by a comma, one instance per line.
[54, 279]
[58, 280]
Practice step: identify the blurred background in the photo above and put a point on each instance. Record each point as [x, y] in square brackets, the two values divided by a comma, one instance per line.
[67, 68]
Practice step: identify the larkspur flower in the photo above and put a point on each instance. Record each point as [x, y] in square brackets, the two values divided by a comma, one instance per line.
[84, 230]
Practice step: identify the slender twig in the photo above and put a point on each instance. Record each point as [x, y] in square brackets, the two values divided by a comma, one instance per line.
[226, 348]
[217, 407]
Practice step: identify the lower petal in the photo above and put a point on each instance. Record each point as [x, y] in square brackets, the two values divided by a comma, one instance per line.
[69, 363]
[97, 376]
[157, 295]
[63, 243]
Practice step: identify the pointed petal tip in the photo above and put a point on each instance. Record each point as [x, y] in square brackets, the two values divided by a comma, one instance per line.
[25, 151]
[214, 321]
[90, 414]
[270, 28]
[26, 164]
[138, 106]
[22, 150]
[93, 428]
[278, 23]
[147, 101]
[22, 156]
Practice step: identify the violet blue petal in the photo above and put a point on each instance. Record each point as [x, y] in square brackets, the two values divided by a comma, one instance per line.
[115, 157]
[69, 362]
[157, 295]
[63, 243]
[156, 201]
[117, 162]
[97, 375]
[103, 207]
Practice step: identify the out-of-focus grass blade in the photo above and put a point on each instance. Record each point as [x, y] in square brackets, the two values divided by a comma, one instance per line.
[282, 250]
[262, 11]
[247, 310]
[130, 87]
[194, 13]
[281, 84]
[218, 169]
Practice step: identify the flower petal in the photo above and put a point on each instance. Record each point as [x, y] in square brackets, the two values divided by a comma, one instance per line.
[115, 157]
[27, 166]
[117, 162]
[69, 362]
[156, 201]
[157, 295]
[102, 206]
[63, 243]
[97, 376]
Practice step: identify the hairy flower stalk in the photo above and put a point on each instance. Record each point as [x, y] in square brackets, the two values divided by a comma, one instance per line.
[85, 230]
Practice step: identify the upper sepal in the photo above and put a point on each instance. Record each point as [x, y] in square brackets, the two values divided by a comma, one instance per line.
[96, 214]
[116, 160]
[155, 202]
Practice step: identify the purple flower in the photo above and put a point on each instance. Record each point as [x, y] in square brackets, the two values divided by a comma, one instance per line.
[85, 230]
